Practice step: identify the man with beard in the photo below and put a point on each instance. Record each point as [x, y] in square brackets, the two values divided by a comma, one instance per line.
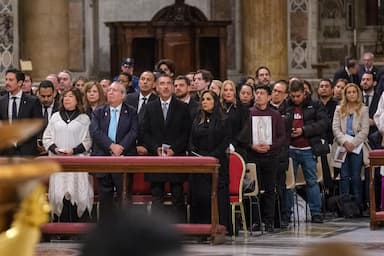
[182, 92]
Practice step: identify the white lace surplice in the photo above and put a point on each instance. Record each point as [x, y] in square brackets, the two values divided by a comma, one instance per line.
[76, 187]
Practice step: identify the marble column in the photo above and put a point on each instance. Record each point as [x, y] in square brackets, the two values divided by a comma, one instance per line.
[44, 35]
[264, 37]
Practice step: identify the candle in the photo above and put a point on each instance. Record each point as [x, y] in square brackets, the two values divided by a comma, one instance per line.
[354, 37]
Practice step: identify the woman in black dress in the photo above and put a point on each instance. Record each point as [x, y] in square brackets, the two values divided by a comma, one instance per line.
[210, 137]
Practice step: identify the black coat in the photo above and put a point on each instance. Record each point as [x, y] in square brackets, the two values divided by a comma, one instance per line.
[210, 138]
[30, 107]
[372, 110]
[315, 119]
[375, 71]
[237, 117]
[343, 74]
[330, 108]
[174, 131]
[132, 99]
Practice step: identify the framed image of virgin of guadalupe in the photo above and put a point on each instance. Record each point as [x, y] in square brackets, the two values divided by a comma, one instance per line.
[262, 130]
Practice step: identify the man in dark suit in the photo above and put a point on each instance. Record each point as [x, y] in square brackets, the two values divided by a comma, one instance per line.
[114, 131]
[165, 132]
[371, 99]
[368, 59]
[145, 94]
[18, 105]
[46, 94]
[349, 72]
[139, 99]
[182, 92]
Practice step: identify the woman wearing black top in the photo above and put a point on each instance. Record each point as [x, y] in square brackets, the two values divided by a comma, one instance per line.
[210, 137]
[237, 113]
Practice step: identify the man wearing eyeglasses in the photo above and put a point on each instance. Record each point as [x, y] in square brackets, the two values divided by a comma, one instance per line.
[279, 102]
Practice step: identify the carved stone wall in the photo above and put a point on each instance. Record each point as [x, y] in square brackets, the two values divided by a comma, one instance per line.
[302, 37]
[8, 36]
[334, 35]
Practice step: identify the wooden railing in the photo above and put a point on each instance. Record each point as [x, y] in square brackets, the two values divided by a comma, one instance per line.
[149, 164]
[376, 158]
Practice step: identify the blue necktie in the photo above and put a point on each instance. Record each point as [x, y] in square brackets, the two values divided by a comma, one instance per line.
[113, 125]
[165, 110]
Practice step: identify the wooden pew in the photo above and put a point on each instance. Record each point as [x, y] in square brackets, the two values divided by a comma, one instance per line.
[145, 164]
[376, 158]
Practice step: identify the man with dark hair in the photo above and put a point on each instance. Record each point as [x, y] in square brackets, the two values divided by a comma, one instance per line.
[267, 128]
[371, 98]
[27, 84]
[166, 66]
[202, 80]
[307, 121]
[46, 94]
[165, 132]
[182, 92]
[279, 102]
[263, 76]
[325, 94]
[145, 94]
[18, 105]
[125, 79]
[349, 72]
[138, 100]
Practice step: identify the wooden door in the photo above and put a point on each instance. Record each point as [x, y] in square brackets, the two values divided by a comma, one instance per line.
[177, 46]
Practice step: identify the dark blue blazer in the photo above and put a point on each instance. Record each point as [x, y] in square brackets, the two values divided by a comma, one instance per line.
[126, 135]
[29, 108]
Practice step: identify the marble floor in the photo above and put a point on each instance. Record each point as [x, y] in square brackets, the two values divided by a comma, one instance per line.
[288, 242]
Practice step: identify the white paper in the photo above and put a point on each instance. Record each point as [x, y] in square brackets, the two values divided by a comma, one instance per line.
[262, 130]
[164, 149]
[357, 149]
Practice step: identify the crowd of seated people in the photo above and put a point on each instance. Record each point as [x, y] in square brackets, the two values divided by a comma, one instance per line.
[161, 114]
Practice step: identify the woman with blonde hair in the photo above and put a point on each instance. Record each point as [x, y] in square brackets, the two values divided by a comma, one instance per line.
[350, 128]
[216, 87]
[237, 113]
[93, 96]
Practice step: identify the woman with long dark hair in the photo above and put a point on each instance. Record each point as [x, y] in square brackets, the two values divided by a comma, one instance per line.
[210, 137]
